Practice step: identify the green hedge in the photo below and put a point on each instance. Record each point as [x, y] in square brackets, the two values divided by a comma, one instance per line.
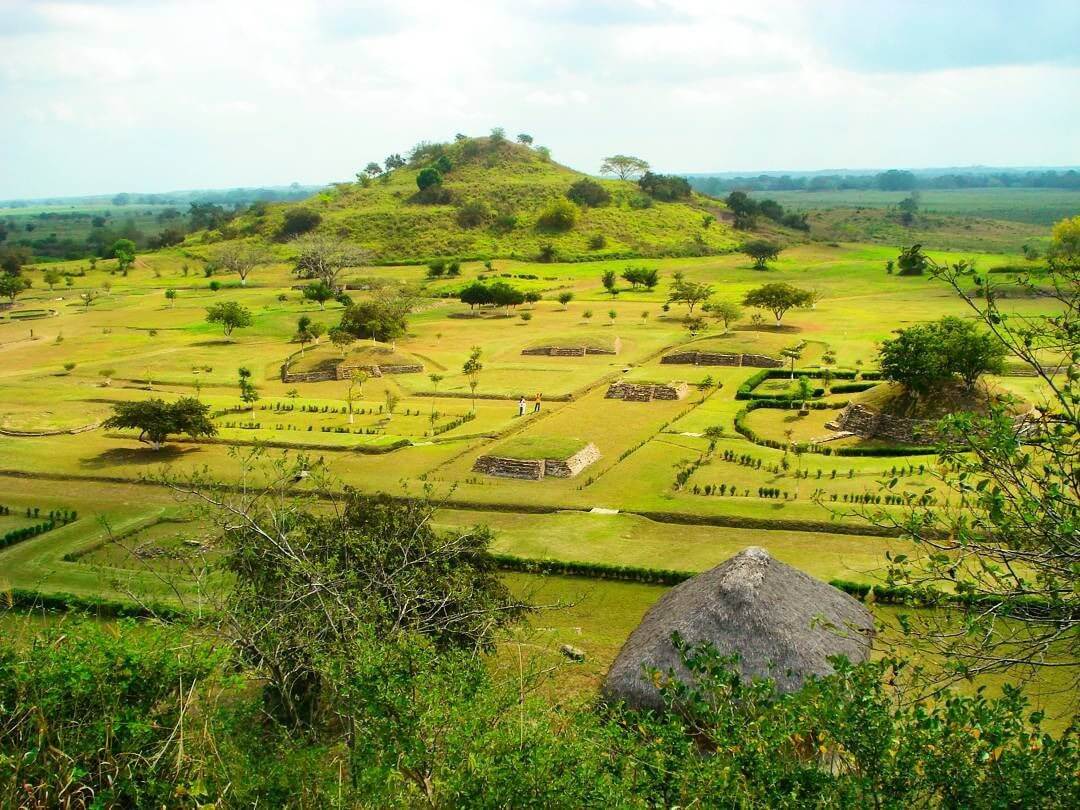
[111, 608]
[623, 573]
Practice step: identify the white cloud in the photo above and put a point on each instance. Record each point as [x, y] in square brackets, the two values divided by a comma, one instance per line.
[104, 96]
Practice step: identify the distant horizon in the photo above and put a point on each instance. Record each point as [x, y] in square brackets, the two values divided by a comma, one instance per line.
[725, 174]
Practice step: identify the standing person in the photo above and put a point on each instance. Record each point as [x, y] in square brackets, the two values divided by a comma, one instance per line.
[521, 406]
[536, 406]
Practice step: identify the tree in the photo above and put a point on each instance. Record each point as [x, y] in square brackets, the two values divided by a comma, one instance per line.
[392, 400]
[428, 177]
[319, 292]
[373, 169]
[1064, 247]
[588, 193]
[249, 394]
[792, 353]
[12, 286]
[356, 384]
[690, 293]
[924, 356]
[124, 251]
[612, 315]
[299, 221]
[475, 294]
[230, 314]
[778, 298]
[647, 277]
[394, 161]
[909, 206]
[52, 277]
[625, 167]
[912, 261]
[342, 338]
[241, 258]
[565, 298]
[383, 317]
[12, 259]
[323, 258]
[435, 380]
[1004, 535]
[610, 279]
[156, 419]
[665, 186]
[525, 139]
[170, 296]
[761, 251]
[560, 215]
[744, 209]
[471, 370]
[727, 312]
[87, 297]
[503, 295]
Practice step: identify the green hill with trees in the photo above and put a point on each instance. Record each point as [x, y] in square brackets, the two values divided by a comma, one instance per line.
[490, 197]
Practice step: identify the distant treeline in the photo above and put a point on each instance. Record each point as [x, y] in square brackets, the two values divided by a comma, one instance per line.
[891, 180]
[229, 196]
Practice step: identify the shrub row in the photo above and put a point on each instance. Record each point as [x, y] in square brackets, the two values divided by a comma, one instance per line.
[57, 517]
[851, 387]
[110, 608]
[453, 423]
[623, 573]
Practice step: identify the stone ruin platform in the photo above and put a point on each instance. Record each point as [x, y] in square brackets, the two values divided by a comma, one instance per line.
[647, 392]
[695, 358]
[537, 469]
[572, 351]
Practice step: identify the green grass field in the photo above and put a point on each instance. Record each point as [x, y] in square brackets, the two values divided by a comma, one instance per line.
[132, 343]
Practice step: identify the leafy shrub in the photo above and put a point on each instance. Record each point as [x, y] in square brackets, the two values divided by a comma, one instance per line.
[597, 241]
[299, 221]
[559, 216]
[588, 193]
[665, 186]
[473, 214]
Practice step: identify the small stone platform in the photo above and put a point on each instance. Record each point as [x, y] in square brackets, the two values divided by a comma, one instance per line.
[572, 351]
[695, 358]
[536, 469]
[647, 392]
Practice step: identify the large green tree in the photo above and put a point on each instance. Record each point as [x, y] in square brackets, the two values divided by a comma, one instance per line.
[156, 419]
[778, 298]
[230, 314]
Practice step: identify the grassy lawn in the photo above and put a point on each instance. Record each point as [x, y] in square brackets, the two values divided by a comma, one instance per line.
[531, 448]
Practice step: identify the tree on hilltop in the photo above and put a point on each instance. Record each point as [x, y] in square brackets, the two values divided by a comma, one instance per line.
[525, 139]
[299, 221]
[778, 298]
[156, 419]
[924, 356]
[625, 167]
[588, 193]
[394, 161]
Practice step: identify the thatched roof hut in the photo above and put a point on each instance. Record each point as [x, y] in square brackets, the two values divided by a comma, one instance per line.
[782, 623]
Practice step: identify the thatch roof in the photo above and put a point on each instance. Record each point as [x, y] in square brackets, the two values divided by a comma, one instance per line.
[782, 623]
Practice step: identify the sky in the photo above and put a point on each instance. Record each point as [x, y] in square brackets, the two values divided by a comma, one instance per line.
[101, 96]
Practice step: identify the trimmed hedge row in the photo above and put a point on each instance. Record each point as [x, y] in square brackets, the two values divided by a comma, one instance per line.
[866, 379]
[110, 608]
[58, 518]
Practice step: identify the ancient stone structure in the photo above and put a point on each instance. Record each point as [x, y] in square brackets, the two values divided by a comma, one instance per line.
[647, 392]
[695, 358]
[346, 369]
[572, 351]
[535, 469]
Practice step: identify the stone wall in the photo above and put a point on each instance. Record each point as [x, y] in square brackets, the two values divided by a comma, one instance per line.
[647, 392]
[695, 358]
[869, 424]
[343, 371]
[572, 351]
[534, 470]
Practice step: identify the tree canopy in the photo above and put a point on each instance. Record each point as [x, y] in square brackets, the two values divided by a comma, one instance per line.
[778, 298]
[156, 419]
[922, 357]
[625, 167]
[762, 251]
[587, 192]
[230, 314]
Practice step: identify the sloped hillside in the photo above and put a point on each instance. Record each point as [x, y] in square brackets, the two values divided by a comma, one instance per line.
[490, 203]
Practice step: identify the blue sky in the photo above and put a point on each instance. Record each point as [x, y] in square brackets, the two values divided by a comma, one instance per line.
[142, 95]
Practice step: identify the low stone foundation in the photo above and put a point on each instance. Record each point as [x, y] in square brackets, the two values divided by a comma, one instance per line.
[693, 358]
[345, 370]
[535, 469]
[647, 392]
[571, 351]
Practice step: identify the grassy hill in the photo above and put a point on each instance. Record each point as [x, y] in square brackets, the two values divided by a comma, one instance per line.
[505, 187]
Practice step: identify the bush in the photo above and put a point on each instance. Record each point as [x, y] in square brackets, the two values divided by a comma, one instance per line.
[597, 241]
[665, 186]
[559, 216]
[588, 193]
[299, 221]
[428, 177]
[473, 214]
